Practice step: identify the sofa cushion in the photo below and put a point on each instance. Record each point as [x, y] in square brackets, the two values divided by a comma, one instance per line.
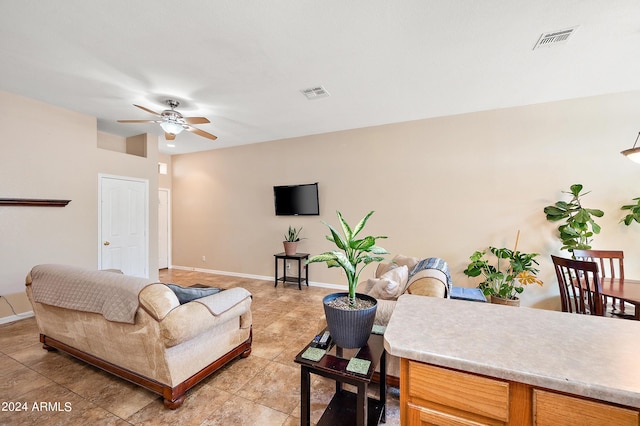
[390, 285]
[224, 301]
[409, 262]
[187, 294]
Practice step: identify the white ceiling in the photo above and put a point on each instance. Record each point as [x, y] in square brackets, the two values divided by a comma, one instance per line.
[242, 63]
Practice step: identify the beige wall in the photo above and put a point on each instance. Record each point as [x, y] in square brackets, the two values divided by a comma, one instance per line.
[50, 152]
[440, 187]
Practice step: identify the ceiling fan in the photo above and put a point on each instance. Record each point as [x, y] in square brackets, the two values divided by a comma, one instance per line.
[172, 122]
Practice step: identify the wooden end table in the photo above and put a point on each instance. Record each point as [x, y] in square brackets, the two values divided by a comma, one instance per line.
[346, 408]
[300, 257]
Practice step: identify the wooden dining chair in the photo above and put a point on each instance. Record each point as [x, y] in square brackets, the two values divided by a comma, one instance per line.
[580, 288]
[611, 263]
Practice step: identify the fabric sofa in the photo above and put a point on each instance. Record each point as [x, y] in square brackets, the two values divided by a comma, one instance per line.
[422, 276]
[137, 329]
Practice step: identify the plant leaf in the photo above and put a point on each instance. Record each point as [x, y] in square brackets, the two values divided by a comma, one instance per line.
[362, 223]
[595, 212]
[346, 229]
[576, 189]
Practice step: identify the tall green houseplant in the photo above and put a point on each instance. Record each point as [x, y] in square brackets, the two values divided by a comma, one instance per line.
[352, 254]
[634, 212]
[579, 225]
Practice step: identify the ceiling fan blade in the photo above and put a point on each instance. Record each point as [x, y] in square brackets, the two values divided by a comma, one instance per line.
[138, 121]
[169, 136]
[201, 133]
[146, 109]
[196, 120]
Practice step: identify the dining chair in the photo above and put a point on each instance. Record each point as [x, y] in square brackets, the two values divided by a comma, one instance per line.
[611, 263]
[580, 288]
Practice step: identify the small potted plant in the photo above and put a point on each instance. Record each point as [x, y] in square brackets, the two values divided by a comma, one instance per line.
[505, 280]
[290, 242]
[350, 315]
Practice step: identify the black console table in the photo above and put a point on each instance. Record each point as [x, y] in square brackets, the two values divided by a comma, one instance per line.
[300, 258]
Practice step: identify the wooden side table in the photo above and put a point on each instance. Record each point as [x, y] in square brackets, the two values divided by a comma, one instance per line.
[299, 257]
[346, 408]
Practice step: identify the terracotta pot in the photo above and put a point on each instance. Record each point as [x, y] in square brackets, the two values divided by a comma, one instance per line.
[509, 302]
[290, 247]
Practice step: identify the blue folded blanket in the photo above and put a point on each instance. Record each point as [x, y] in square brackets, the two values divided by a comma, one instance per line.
[187, 294]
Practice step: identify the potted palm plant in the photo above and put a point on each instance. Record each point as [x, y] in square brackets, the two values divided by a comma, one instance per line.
[291, 239]
[505, 280]
[350, 315]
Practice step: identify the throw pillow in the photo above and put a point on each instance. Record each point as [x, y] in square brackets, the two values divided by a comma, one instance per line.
[390, 285]
[383, 268]
[410, 262]
[187, 294]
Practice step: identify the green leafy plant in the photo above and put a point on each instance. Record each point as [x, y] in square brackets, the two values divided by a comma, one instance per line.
[513, 270]
[292, 234]
[579, 225]
[634, 212]
[351, 252]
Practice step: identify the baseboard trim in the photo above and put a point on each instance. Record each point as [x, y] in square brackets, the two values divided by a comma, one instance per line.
[254, 277]
[17, 317]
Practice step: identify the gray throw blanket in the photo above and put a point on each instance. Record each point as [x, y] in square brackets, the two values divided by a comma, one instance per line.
[111, 294]
[434, 263]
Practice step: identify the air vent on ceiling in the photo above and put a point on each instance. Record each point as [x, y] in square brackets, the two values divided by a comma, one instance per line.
[315, 92]
[554, 38]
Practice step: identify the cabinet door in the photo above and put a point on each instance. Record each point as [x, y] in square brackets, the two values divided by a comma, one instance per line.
[422, 416]
[460, 391]
[554, 409]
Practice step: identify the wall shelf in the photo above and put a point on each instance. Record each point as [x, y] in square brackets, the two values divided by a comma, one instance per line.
[33, 202]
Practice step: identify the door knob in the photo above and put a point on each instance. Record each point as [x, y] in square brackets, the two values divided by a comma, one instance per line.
[106, 243]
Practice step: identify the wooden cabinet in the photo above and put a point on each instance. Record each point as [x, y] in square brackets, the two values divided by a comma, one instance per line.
[554, 409]
[432, 395]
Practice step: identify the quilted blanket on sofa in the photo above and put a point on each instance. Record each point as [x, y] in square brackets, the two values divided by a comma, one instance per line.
[437, 264]
[111, 294]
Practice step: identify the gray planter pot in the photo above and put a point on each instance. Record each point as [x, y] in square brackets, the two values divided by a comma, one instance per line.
[350, 328]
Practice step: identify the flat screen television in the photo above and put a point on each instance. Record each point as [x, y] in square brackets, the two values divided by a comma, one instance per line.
[294, 200]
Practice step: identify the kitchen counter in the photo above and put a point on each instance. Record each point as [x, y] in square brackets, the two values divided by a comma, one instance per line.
[593, 357]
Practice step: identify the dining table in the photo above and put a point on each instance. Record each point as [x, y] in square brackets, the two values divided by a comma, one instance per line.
[623, 288]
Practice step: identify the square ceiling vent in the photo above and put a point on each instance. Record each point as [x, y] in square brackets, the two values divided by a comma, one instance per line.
[554, 38]
[315, 92]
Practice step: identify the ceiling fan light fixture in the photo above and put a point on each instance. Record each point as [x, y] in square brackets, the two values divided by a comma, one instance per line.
[172, 127]
[633, 154]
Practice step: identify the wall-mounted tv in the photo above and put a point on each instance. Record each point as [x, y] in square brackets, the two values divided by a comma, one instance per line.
[294, 200]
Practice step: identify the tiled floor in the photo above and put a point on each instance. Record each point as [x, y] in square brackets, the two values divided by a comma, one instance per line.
[263, 389]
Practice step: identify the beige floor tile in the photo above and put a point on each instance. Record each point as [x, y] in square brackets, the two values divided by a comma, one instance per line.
[18, 335]
[238, 373]
[8, 365]
[111, 393]
[19, 382]
[242, 412]
[277, 386]
[200, 403]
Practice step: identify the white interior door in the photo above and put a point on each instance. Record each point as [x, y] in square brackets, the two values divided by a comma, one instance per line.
[124, 225]
[164, 229]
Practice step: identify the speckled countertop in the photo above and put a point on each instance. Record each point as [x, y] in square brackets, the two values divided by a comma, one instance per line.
[590, 356]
